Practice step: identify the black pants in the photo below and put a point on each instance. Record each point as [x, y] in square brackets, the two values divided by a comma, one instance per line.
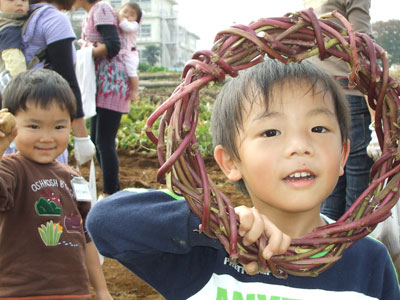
[103, 131]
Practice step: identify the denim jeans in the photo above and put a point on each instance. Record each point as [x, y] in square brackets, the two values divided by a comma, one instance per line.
[355, 179]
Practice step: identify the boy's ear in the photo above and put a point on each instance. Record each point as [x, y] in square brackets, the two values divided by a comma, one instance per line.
[227, 164]
[345, 155]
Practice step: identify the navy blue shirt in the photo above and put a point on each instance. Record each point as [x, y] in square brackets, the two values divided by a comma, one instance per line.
[155, 236]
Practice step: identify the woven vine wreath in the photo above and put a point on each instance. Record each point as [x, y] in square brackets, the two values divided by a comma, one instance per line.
[291, 38]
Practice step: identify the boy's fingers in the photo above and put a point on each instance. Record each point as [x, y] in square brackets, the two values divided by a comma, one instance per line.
[256, 229]
[251, 268]
[278, 242]
[246, 219]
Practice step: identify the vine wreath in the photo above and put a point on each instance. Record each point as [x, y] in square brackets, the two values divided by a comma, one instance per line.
[291, 38]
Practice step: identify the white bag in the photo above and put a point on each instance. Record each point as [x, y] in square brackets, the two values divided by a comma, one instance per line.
[388, 232]
[85, 74]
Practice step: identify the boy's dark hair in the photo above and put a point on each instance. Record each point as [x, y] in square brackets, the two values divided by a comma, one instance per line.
[259, 81]
[136, 7]
[43, 87]
[63, 4]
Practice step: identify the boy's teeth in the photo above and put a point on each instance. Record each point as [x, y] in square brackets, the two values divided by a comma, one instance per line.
[300, 174]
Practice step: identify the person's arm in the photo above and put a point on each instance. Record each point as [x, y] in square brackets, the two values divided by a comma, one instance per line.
[127, 26]
[111, 43]
[151, 233]
[60, 57]
[358, 14]
[96, 274]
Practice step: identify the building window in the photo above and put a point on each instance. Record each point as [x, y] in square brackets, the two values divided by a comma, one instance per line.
[115, 3]
[145, 5]
[145, 30]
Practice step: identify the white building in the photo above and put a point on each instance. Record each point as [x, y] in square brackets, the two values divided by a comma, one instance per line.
[160, 27]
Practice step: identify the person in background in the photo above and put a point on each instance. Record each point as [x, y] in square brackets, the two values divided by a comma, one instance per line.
[100, 29]
[13, 14]
[281, 132]
[48, 42]
[130, 17]
[355, 179]
[45, 251]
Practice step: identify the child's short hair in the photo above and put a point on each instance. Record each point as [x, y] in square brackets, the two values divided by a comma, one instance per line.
[259, 81]
[43, 87]
[136, 7]
[63, 4]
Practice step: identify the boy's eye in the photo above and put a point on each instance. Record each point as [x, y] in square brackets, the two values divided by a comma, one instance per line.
[319, 129]
[271, 132]
[60, 127]
[33, 126]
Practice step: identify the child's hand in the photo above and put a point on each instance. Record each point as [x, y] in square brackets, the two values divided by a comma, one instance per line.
[252, 226]
[119, 17]
[8, 129]
[133, 97]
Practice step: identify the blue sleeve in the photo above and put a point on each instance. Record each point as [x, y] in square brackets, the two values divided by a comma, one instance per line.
[154, 236]
[10, 38]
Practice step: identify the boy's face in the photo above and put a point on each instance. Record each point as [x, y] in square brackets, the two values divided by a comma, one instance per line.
[129, 13]
[292, 155]
[43, 134]
[14, 6]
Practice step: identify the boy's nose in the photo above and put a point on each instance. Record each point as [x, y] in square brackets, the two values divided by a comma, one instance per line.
[299, 145]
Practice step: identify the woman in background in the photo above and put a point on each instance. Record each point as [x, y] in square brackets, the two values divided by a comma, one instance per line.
[100, 29]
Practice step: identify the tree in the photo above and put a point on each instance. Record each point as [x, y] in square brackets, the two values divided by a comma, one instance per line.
[151, 53]
[387, 35]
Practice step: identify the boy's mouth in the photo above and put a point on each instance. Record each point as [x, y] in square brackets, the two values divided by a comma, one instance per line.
[301, 175]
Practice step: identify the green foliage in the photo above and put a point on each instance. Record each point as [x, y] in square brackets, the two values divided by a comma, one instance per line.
[131, 134]
[387, 35]
[145, 67]
[151, 54]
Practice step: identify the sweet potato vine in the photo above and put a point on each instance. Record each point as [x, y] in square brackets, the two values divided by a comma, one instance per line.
[291, 38]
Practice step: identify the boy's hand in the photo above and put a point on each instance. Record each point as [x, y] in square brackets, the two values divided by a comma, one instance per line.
[8, 129]
[252, 226]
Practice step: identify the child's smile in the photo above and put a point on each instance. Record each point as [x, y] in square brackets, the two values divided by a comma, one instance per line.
[43, 134]
[291, 154]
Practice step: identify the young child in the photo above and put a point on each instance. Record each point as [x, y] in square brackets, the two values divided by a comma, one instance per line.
[12, 17]
[281, 132]
[44, 251]
[130, 18]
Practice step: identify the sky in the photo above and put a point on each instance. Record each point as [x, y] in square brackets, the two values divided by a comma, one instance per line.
[206, 18]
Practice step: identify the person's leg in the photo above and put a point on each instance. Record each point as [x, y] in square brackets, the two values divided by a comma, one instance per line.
[93, 134]
[334, 206]
[108, 122]
[356, 173]
[359, 164]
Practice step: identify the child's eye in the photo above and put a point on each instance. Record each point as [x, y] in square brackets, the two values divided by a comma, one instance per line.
[271, 132]
[60, 127]
[319, 129]
[33, 126]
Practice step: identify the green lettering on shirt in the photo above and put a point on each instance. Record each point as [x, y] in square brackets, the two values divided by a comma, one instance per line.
[222, 294]
[239, 296]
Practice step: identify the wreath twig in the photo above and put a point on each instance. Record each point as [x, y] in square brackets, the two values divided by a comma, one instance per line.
[291, 38]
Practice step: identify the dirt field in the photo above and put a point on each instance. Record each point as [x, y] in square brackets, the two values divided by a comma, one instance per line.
[139, 170]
